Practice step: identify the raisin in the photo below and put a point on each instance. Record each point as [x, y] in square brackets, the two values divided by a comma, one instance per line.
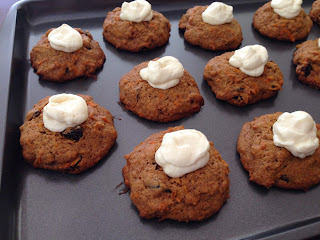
[284, 178]
[73, 134]
[238, 98]
[307, 70]
[67, 70]
[36, 114]
[168, 190]
[138, 94]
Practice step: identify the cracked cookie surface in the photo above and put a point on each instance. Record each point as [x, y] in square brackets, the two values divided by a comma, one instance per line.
[191, 197]
[269, 165]
[75, 149]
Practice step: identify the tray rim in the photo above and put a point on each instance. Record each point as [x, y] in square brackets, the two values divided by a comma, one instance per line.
[8, 28]
[309, 228]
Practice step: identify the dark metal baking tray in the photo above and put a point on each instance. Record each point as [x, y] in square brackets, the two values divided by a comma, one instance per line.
[40, 204]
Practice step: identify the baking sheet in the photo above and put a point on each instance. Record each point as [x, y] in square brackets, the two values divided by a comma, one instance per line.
[40, 204]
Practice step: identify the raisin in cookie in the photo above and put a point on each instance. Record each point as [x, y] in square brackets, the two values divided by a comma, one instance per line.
[59, 66]
[160, 105]
[237, 88]
[75, 149]
[192, 197]
[136, 36]
[269, 165]
[272, 25]
[226, 36]
[307, 61]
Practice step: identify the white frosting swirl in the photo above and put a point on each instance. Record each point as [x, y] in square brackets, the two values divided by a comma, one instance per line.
[65, 38]
[163, 73]
[63, 111]
[250, 60]
[218, 13]
[318, 42]
[182, 152]
[136, 11]
[297, 132]
[287, 8]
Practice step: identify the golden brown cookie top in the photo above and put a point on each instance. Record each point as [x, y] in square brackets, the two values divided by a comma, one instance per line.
[307, 59]
[272, 25]
[73, 150]
[269, 165]
[133, 36]
[59, 66]
[155, 104]
[314, 13]
[226, 36]
[192, 197]
[232, 85]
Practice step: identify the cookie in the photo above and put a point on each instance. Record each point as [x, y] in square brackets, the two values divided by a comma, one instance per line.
[314, 13]
[307, 61]
[59, 66]
[269, 165]
[272, 25]
[155, 104]
[237, 88]
[213, 37]
[192, 197]
[75, 149]
[133, 36]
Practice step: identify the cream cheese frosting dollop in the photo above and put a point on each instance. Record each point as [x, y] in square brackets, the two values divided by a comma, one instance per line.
[163, 73]
[250, 60]
[182, 152]
[63, 111]
[218, 13]
[136, 11]
[296, 132]
[287, 8]
[65, 38]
